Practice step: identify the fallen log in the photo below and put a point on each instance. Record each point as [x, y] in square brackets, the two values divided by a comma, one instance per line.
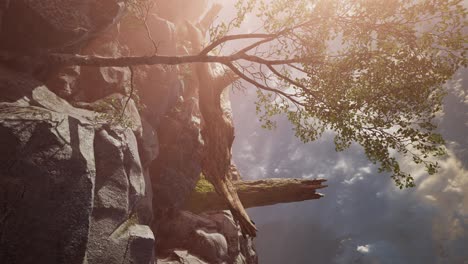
[255, 193]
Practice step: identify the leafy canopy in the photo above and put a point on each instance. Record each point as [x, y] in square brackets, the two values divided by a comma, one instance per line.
[371, 70]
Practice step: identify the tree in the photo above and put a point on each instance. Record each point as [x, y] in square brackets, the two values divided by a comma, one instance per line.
[371, 70]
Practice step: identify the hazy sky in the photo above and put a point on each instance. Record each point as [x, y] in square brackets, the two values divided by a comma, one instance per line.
[363, 217]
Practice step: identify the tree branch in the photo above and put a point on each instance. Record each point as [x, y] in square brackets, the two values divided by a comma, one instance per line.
[224, 39]
[256, 44]
[261, 86]
[291, 81]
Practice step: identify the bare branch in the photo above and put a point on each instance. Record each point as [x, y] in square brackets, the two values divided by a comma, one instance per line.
[132, 90]
[125, 61]
[261, 86]
[148, 31]
[256, 44]
[291, 81]
[273, 61]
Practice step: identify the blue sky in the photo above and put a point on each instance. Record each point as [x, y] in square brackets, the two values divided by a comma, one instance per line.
[363, 217]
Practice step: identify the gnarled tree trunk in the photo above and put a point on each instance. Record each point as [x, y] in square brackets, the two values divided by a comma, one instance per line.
[217, 132]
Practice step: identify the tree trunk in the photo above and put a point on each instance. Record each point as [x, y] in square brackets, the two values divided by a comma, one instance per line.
[256, 193]
[217, 133]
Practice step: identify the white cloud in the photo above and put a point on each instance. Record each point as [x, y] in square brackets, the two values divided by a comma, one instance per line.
[366, 169]
[449, 192]
[308, 176]
[363, 249]
[341, 165]
[455, 87]
[354, 179]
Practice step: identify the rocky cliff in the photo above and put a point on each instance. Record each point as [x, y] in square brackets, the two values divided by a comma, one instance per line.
[128, 164]
[90, 172]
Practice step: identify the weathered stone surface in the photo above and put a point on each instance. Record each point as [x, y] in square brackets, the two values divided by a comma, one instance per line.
[148, 148]
[159, 86]
[63, 82]
[120, 201]
[91, 201]
[95, 83]
[133, 34]
[180, 257]
[46, 177]
[212, 237]
[16, 86]
[73, 189]
[177, 169]
[240, 248]
[54, 24]
[210, 246]
[148, 144]
[142, 245]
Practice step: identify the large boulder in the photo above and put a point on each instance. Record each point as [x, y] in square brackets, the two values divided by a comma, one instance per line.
[211, 237]
[73, 188]
[46, 181]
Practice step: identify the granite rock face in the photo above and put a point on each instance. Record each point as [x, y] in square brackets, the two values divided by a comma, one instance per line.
[78, 184]
[211, 237]
[46, 180]
[72, 187]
